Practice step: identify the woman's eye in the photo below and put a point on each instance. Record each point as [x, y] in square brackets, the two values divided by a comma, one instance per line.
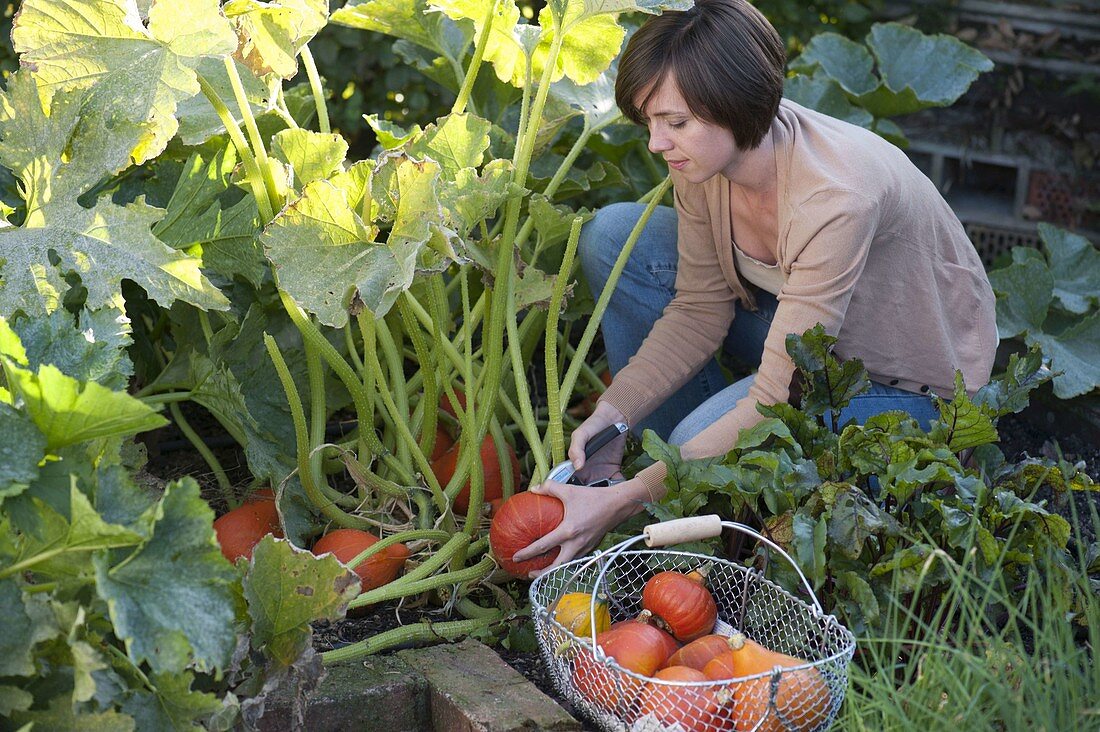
[677, 125]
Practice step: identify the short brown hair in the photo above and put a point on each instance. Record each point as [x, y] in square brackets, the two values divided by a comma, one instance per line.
[726, 58]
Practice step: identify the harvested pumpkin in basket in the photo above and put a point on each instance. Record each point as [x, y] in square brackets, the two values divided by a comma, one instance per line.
[688, 708]
[636, 646]
[574, 612]
[681, 603]
[802, 698]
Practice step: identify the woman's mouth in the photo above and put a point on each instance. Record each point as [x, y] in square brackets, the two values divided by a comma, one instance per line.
[676, 164]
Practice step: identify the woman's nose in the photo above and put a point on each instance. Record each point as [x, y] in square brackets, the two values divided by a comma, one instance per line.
[658, 143]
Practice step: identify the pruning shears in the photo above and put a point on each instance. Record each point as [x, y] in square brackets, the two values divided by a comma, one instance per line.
[563, 471]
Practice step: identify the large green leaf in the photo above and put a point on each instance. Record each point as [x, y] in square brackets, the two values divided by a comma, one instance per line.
[830, 384]
[918, 70]
[963, 424]
[27, 620]
[578, 10]
[1024, 292]
[172, 601]
[21, 449]
[138, 71]
[273, 32]
[1075, 266]
[57, 158]
[808, 542]
[199, 217]
[172, 704]
[595, 100]
[94, 350]
[826, 96]
[852, 520]
[310, 155]
[502, 49]
[68, 411]
[409, 20]
[1075, 352]
[326, 259]
[843, 60]
[470, 198]
[287, 589]
[457, 141]
[591, 43]
[1008, 392]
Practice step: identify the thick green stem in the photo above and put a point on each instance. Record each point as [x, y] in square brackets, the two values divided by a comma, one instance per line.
[426, 358]
[207, 455]
[475, 63]
[364, 409]
[316, 88]
[402, 426]
[393, 591]
[167, 398]
[255, 176]
[553, 396]
[519, 377]
[441, 556]
[601, 304]
[258, 147]
[419, 632]
[393, 384]
[301, 439]
[400, 538]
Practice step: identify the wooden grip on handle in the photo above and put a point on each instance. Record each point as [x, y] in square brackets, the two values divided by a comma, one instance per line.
[677, 531]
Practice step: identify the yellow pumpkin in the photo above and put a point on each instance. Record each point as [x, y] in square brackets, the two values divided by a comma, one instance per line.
[573, 612]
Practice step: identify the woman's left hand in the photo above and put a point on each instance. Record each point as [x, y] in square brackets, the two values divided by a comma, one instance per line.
[589, 514]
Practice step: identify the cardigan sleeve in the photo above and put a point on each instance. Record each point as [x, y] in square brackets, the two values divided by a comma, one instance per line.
[692, 326]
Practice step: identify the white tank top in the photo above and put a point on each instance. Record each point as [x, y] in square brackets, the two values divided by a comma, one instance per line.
[768, 277]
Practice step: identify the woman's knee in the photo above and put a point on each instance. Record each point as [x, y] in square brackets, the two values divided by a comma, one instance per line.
[602, 237]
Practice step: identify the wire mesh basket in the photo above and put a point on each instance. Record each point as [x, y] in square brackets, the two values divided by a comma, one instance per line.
[786, 698]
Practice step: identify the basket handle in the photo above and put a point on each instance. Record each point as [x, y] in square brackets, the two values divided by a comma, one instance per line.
[677, 531]
[694, 528]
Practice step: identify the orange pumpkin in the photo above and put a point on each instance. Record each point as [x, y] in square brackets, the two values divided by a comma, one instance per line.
[444, 468]
[700, 652]
[240, 530]
[802, 698]
[636, 646]
[374, 571]
[694, 709]
[681, 603]
[519, 521]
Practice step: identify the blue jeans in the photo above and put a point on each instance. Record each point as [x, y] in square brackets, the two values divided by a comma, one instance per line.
[648, 284]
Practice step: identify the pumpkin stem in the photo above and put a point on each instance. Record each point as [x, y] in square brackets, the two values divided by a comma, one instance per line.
[736, 641]
[646, 616]
[699, 574]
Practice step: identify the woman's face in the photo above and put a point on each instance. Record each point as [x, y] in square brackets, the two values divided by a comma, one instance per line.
[698, 149]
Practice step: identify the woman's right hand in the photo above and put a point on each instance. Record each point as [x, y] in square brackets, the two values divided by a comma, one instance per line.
[607, 463]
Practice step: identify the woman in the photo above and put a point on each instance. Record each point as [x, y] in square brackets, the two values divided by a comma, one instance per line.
[784, 218]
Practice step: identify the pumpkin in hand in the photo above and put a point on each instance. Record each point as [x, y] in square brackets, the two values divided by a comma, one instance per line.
[520, 520]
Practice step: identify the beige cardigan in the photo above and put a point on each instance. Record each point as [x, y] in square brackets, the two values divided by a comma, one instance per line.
[868, 248]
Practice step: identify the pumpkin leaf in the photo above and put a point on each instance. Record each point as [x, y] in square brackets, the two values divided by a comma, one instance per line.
[287, 589]
[172, 601]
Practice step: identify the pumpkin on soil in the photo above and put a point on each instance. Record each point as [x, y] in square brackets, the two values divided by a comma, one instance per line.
[443, 443]
[694, 709]
[374, 571]
[522, 519]
[636, 646]
[802, 698]
[681, 603]
[444, 468]
[240, 530]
